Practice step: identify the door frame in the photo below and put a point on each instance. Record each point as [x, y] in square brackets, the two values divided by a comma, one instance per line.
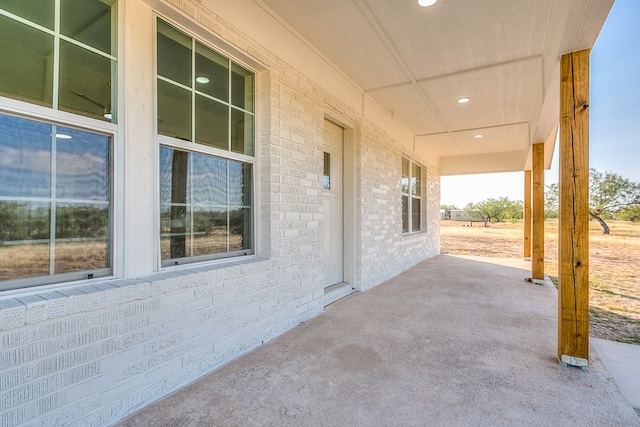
[350, 202]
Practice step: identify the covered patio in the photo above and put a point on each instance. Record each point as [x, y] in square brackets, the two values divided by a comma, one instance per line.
[452, 341]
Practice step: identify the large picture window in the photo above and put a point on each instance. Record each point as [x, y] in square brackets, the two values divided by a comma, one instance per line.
[60, 54]
[206, 120]
[55, 203]
[411, 196]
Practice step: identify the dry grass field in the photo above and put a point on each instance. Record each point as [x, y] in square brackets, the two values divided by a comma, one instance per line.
[614, 283]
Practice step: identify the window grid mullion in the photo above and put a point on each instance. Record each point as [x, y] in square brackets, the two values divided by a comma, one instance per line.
[56, 55]
[53, 204]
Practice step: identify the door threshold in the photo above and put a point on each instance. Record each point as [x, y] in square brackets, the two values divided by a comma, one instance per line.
[334, 292]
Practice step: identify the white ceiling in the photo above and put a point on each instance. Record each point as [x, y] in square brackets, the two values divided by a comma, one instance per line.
[416, 62]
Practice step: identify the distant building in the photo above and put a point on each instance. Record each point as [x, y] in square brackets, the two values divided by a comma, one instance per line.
[460, 215]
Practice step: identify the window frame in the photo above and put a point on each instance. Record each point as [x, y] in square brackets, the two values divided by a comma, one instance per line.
[193, 147]
[411, 196]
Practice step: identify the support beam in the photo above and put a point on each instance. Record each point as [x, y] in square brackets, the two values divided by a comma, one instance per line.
[573, 228]
[537, 215]
[527, 215]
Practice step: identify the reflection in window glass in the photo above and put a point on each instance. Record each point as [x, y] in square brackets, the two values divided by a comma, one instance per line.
[89, 22]
[205, 206]
[242, 88]
[24, 239]
[82, 237]
[30, 54]
[174, 54]
[209, 181]
[25, 158]
[85, 82]
[405, 214]
[212, 123]
[71, 209]
[415, 214]
[212, 73]
[241, 132]
[26, 68]
[174, 111]
[82, 170]
[416, 181]
[37, 11]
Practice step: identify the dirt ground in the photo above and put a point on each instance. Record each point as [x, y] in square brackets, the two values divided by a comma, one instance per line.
[614, 273]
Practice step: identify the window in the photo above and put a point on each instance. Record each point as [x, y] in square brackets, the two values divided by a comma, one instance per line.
[206, 120]
[55, 203]
[60, 54]
[56, 180]
[411, 196]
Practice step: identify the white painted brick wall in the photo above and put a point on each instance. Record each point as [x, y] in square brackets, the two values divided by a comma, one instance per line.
[90, 354]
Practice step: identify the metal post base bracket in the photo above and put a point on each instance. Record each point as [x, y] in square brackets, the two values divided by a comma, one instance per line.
[574, 362]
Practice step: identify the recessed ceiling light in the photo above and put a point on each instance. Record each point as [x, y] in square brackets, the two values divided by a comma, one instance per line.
[478, 136]
[63, 136]
[202, 80]
[425, 3]
[463, 100]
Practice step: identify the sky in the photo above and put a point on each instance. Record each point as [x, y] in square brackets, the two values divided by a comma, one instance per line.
[614, 115]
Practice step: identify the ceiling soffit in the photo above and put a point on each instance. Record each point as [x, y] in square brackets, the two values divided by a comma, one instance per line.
[415, 62]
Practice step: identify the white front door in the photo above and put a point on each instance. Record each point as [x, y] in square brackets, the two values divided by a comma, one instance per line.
[332, 194]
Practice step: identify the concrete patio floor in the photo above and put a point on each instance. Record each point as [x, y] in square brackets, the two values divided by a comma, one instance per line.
[454, 341]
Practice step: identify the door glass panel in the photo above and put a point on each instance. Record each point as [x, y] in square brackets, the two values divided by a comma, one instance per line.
[26, 64]
[89, 22]
[25, 158]
[85, 82]
[326, 179]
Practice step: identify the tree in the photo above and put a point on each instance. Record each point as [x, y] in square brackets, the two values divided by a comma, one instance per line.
[632, 213]
[551, 201]
[609, 194]
[496, 210]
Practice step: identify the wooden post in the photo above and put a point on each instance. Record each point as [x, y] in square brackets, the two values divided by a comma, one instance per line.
[573, 229]
[527, 215]
[537, 215]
